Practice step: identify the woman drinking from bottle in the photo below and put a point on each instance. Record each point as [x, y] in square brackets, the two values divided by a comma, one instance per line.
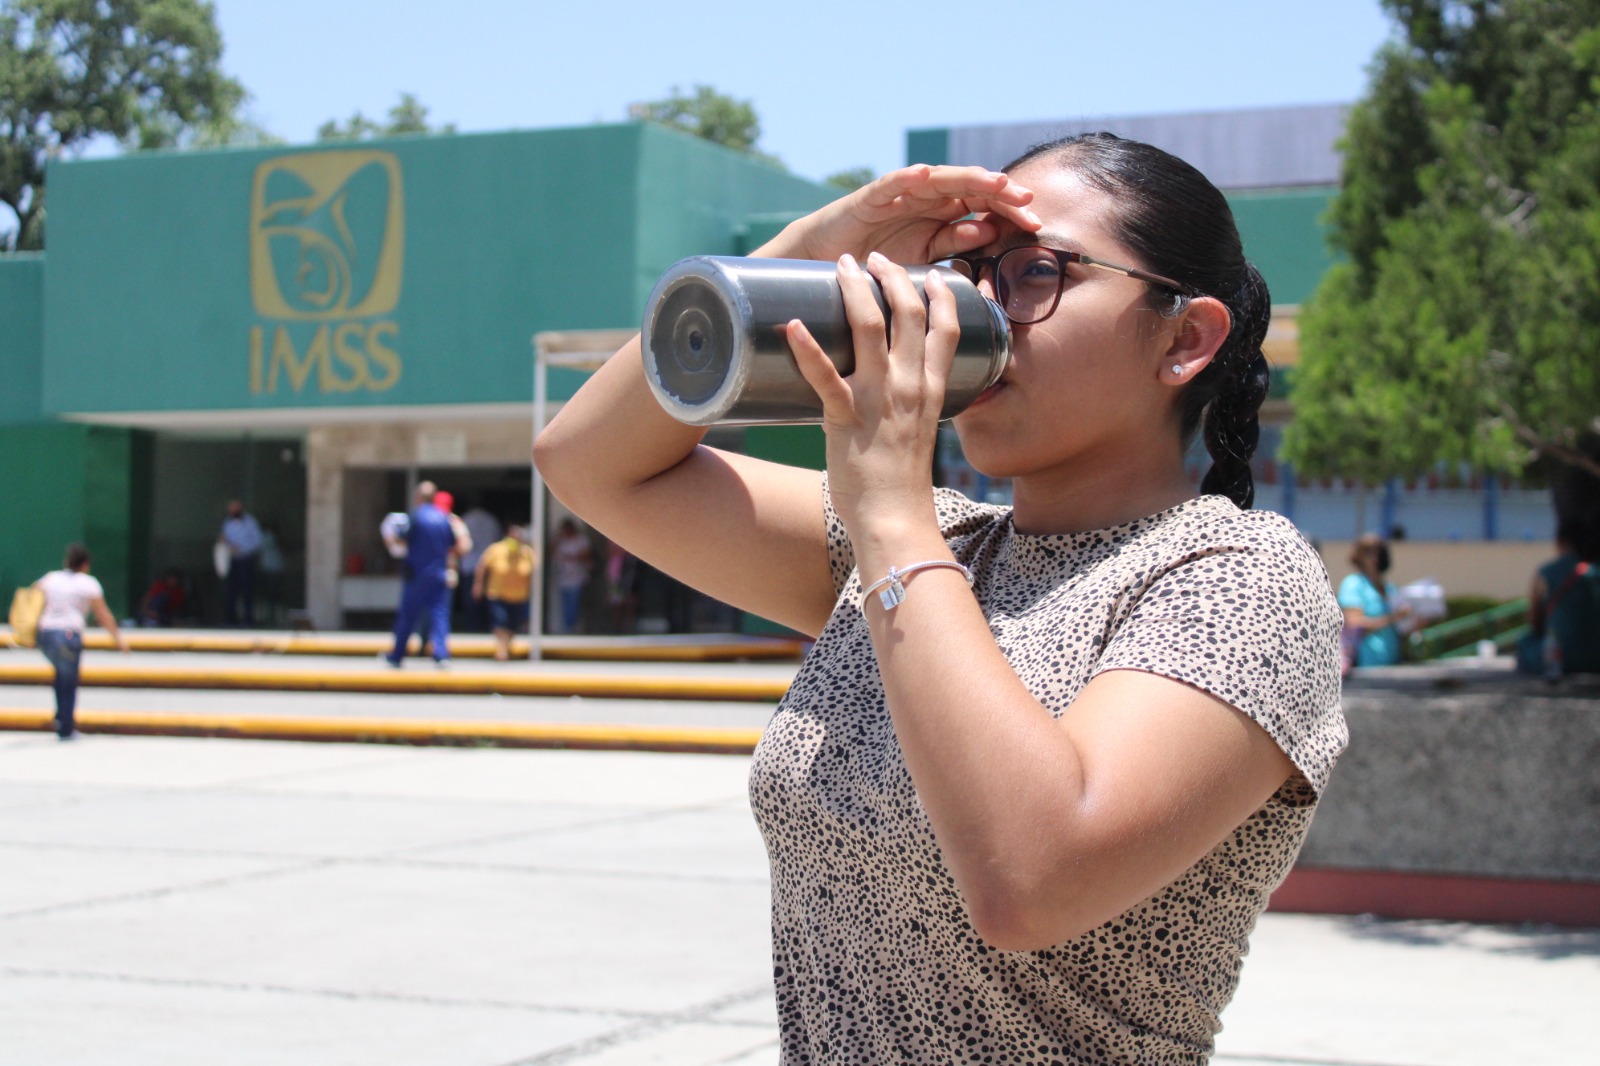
[1045, 763]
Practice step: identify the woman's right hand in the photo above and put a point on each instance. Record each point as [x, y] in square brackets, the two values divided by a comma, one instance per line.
[917, 214]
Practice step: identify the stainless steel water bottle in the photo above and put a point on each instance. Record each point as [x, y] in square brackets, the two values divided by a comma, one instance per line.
[715, 351]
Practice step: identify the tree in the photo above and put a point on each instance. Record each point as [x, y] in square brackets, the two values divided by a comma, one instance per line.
[710, 116]
[1462, 323]
[144, 72]
[237, 129]
[406, 117]
[852, 179]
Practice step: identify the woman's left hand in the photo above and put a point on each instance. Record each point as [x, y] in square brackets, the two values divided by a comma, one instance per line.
[882, 421]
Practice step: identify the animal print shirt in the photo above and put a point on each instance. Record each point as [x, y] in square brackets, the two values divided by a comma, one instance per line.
[874, 958]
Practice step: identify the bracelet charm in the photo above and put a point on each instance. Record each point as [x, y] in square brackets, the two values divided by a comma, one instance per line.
[894, 589]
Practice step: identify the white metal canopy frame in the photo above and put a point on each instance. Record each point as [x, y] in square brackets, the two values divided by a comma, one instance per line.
[585, 350]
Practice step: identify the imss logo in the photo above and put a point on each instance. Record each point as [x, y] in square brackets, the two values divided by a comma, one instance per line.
[327, 248]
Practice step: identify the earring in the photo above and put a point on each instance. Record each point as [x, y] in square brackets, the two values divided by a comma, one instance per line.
[1177, 370]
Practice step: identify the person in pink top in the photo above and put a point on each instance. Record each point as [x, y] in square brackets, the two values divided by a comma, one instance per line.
[70, 595]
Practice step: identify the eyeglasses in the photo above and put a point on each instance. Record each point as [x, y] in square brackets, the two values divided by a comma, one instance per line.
[1028, 281]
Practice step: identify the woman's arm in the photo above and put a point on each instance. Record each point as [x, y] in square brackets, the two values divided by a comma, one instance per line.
[1050, 826]
[1357, 618]
[746, 531]
[1538, 594]
[104, 616]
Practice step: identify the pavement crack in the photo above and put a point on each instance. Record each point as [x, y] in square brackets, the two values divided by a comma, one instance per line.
[368, 995]
[761, 879]
[164, 891]
[595, 822]
[646, 1027]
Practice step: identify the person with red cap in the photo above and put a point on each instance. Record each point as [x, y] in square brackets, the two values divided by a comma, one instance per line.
[445, 501]
[430, 539]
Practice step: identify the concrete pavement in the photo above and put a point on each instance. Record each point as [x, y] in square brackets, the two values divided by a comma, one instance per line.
[180, 901]
[184, 901]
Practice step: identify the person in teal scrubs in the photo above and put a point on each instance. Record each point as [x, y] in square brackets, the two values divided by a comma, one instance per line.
[1368, 600]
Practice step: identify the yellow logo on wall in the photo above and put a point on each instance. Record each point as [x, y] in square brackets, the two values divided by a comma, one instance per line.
[327, 247]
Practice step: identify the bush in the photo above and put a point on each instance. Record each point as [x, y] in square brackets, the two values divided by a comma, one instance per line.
[1461, 606]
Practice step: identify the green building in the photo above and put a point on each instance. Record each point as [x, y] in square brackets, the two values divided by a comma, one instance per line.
[311, 330]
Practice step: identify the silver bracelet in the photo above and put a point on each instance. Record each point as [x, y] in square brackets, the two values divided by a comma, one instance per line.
[895, 594]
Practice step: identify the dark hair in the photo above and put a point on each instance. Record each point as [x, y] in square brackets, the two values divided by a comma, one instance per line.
[1576, 495]
[1375, 544]
[77, 557]
[1181, 227]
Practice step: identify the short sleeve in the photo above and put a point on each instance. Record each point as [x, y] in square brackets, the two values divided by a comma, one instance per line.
[84, 588]
[1250, 617]
[1353, 593]
[841, 555]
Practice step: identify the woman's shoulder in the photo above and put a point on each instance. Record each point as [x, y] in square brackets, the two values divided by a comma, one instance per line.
[1256, 546]
[1559, 569]
[70, 582]
[1220, 522]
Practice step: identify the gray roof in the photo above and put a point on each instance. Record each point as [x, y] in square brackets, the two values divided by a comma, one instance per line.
[1260, 148]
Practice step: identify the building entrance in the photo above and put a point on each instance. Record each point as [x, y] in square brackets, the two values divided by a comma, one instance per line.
[616, 594]
[193, 478]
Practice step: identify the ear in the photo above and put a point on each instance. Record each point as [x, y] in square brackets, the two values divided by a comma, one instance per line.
[1202, 327]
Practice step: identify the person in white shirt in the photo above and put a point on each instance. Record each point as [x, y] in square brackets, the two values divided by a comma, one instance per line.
[70, 595]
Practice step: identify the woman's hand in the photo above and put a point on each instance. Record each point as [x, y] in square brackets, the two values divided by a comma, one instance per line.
[882, 421]
[914, 215]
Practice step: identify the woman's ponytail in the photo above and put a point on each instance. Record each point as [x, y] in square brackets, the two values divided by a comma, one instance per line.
[1232, 431]
[1240, 380]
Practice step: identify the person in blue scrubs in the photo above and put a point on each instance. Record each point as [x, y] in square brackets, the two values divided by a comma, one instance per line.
[1368, 600]
[429, 539]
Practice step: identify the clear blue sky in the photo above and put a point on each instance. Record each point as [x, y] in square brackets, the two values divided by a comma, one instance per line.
[836, 84]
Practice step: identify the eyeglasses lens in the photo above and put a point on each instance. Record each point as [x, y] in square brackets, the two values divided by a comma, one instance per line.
[1027, 283]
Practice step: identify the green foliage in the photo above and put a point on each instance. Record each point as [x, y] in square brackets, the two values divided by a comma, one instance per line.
[852, 179]
[408, 116]
[1464, 323]
[709, 115]
[145, 72]
[234, 130]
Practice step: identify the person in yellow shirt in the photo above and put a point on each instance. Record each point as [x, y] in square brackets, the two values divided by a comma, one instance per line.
[505, 575]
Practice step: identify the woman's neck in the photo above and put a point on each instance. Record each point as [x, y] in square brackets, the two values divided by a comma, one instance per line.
[1062, 501]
